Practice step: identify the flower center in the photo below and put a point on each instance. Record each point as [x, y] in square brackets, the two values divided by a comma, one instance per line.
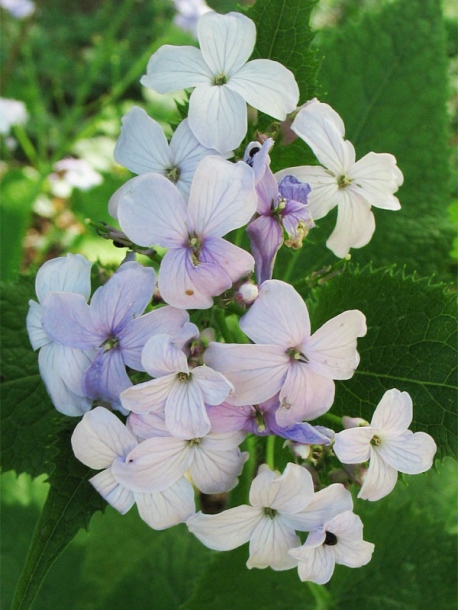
[297, 355]
[270, 512]
[343, 181]
[184, 377]
[259, 419]
[376, 440]
[220, 79]
[173, 173]
[195, 442]
[110, 343]
[331, 539]
[195, 244]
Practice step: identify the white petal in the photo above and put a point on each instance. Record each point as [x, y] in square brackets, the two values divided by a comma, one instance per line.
[227, 530]
[380, 478]
[355, 225]
[394, 412]
[213, 385]
[226, 41]
[214, 470]
[147, 425]
[377, 177]
[322, 129]
[167, 508]
[352, 446]
[234, 261]
[173, 68]
[117, 496]
[269, 545]
[217, 117]
[37, 336]
[289, 493]
[315, 564]
[278, 316]
[100, 437]
[325, 504]
[409, 453]
[222, 198]
[148, 396]
[185, 413]
[350, 549]
[331, 350]
[267, 86]
[142, 146]
[71, 273]
[161, 356]
[257, 372]
[144, 217]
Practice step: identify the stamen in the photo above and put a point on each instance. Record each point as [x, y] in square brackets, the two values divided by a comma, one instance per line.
[270, 512]
[220, 79]
[331, 539]
[343, 181]
[376, 440]
[173, 174]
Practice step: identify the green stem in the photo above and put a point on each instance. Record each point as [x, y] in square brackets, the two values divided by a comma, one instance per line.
[321, 595]
[221, 323]
[27, 145]
[335, 419]
[270, 452]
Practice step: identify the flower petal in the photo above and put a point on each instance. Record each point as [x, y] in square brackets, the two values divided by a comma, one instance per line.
[172, 68]
[214, 470]
[266, 237]
[213, 385]
[185, 413]
[71, 273]
[316, 564]
[227, 530]
[269, 545]
[409, 453]
[142, 146]
[376, 177]
[37, 336]
[380, 478]
[169, 507]
[116, 495]
[106, 378]
[234, 261]
[394, 412]
[148, 396]
[324, 505]
[267, 86]
[288, 493]
[352, 446]
[162, 357]
[66, 319]
[355, 225]
[100, 437]
[217, 117]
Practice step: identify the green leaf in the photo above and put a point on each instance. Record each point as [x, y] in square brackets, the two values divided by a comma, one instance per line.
[411, 344]
[69, 507]
[29, 421]
[387, 77]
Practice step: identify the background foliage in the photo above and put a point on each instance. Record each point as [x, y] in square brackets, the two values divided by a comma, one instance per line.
[384, 68]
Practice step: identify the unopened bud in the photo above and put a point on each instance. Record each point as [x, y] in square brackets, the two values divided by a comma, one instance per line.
[353, 422]
[248, 292]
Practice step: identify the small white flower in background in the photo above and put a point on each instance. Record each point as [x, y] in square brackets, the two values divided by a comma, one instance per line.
[224, 82]
[339, 540]
[20, 9]
[12, 112]
[387, 444]
[353, 186]
[73, 173]
[189, 13]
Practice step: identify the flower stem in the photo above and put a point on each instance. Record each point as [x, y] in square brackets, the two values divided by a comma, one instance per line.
[221, 323]
[270, 452]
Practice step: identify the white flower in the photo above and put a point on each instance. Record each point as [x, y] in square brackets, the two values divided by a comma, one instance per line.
[12, 112]
[352, 186]
[73, 173]
[142, 147]
[224, 82]
[388, 444]
[339, 540]
[20, 9]
[101, 441]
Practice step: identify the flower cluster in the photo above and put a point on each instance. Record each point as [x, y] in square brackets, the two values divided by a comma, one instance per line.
[166, 411]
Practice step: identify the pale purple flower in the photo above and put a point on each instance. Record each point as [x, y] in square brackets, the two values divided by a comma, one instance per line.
[199, 263]
[61, 367]
[12, 112]
[102, 442]
[189, 13]
[224, 82]
[182, 393]
[281, 207]
[20, 9]
[113, 325]
[287, 358]
[213, 462]
[339, 540]
[388, 445]
[353, 186]
[142, 147]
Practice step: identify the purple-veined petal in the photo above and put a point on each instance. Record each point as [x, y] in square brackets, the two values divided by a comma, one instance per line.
[226, 41]
[217, 117]
[162, 357]
[222, 198]
[355, 224]
[269, 544]
[288, 493]
[67, 320]
[267, 86]
[173, 68]
[267, 190]
[37, 336]
[227, 418]
[352, 446]
[380, 478]
[185, 413]
[377, 177]
[147, 425]
[316, 564]
[409, 453]
[188, 286]
[227, 530]
[125, 295]
[302, 432]
[154, 465]
[106, 378]
[142, 146]
[266, 237]
[233, 260]
[324, 505]
[169, 507]
[331, 350]
[214, 470]
[222, 441]
[394, 413]
[257, 372]
[144, 217]
[293, 214]
[71, 273]
[322, 129]
[99, 438]
[121, 193]
[279, 316]
[148, 396]
[116, 495]
[213, 385]
[351, 550]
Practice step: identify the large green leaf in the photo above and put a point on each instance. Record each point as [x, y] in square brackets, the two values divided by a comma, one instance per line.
[411, 344]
